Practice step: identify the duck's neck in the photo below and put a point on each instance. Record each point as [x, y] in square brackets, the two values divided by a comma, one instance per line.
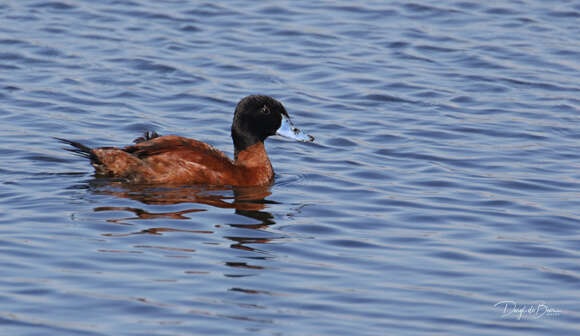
[253, 156]
[254, 167]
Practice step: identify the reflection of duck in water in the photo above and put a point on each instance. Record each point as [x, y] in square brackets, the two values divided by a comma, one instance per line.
[246, 201]
[178, 160]
[225, 197]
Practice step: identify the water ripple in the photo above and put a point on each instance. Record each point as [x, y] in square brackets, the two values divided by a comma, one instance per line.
[444, 176]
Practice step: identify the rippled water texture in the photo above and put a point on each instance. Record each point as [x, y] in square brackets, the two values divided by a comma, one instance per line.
[441, 195]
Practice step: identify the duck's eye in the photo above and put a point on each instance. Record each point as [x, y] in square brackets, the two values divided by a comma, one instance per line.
[265, 110]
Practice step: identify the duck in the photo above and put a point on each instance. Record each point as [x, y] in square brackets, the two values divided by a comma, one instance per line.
[172, 159]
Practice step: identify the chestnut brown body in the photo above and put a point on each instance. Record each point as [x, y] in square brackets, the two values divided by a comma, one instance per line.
[179, 160]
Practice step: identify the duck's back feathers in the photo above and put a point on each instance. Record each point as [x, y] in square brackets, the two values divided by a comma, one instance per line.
[175, 159]
[171, 144]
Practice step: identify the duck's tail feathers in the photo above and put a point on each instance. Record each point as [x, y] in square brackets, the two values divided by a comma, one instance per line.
[80, 150]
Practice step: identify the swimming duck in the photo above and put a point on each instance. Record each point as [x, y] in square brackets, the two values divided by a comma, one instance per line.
[171, 159]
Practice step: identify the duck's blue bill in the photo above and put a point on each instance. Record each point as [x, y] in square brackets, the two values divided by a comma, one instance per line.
[288, 130]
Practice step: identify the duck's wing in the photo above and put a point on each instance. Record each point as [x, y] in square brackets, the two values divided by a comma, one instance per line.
[171, 145]
[174, 159]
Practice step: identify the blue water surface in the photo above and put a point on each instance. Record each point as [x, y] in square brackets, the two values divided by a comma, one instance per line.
[441, 196]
